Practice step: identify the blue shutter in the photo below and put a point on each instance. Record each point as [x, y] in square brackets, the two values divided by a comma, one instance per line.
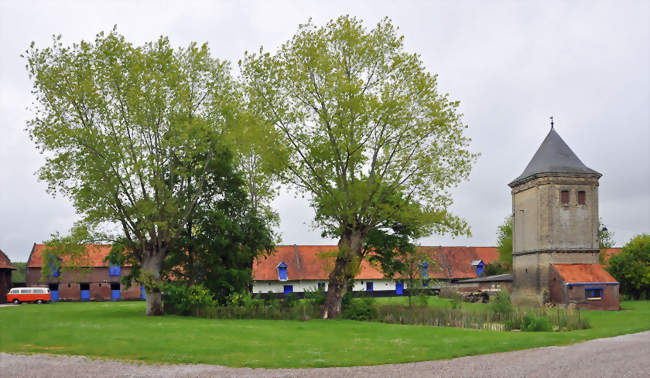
[143, 295]
[479, 269]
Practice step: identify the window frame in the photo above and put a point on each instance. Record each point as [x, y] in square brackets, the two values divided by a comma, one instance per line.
[592, 291]
[582, 197]
[568, 197]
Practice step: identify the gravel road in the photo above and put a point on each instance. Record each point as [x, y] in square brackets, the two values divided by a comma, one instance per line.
[621, 356]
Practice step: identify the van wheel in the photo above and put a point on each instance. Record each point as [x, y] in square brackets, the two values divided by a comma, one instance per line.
[16, 301]
[40, 301]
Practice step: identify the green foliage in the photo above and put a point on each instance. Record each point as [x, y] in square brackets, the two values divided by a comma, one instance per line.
[504, 244]
[605, 237]
[501, 304]
[531, 323]
[18, 276]
[315, 297]
[371, 141]
[496, 268]
[185, 300]
[360, 309]
[138, 137]
[632, 267]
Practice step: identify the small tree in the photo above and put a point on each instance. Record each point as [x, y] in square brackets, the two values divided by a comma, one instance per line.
[504, 244]
[632, 267]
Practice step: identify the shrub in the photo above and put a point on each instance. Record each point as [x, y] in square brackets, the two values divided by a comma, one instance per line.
[184, 300]
[422, 299]
[315, 297]
[532, 323]
[360, 309]
[290, 300]
[501, 304]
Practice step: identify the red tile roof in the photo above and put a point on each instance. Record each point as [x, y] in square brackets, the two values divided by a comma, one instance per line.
[94, 256]
[315, 262]
[583, 273]
[5, 263]
[607, 253]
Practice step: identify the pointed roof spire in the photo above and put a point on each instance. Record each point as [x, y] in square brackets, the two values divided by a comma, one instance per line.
[553, 156]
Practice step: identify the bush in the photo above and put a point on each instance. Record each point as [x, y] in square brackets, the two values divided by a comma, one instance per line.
[360, 309]
[532, 323]
[184, 300]
[501, 304]
[315, 297]
[422, 299]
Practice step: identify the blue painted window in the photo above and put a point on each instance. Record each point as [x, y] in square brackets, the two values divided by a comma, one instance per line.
[399, 288]
[282, 271]
[321, 286]
[369, 286]
[424, 269]
[479, 269]
[114, 270]
[288, 289]
[594, 292]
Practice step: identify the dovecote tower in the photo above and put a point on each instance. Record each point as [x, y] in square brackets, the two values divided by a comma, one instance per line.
[555, 218]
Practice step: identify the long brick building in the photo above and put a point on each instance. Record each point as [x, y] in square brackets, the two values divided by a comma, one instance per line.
[95, 279]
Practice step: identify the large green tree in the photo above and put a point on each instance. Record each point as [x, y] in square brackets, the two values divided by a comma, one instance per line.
[133, 135]
[363, 121]
[631, 267]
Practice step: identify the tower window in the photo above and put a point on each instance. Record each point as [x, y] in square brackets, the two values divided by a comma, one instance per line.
[582, 197]
[564, 197]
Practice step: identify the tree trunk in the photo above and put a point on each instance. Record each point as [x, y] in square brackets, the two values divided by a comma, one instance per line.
[151, 267]
[345, 267]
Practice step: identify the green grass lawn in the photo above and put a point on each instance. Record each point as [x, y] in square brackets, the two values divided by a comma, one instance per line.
[120, 330]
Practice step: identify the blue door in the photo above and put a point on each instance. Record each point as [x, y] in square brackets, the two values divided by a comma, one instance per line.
[85, 295]
[54, 295]
[369, 286]
[143, 295]
[115, 295]
[399, 288]
[288, 289]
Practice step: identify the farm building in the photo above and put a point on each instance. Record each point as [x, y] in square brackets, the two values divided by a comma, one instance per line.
[296, 268]
[555, 232]
[5, 276]
[95, 280]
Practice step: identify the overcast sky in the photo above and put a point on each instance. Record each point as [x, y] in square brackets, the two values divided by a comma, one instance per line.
[511, 65]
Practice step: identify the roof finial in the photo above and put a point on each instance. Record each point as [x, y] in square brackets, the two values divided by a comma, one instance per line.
[552, 122]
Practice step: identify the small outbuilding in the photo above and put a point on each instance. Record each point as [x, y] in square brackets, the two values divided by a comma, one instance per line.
[585, 286]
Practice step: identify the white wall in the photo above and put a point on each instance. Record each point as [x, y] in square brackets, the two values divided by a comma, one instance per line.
[300, 286]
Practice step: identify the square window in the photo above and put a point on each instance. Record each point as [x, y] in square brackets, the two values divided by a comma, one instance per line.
[321, 286]
[594, 293]
[564, 197]
[582, 197]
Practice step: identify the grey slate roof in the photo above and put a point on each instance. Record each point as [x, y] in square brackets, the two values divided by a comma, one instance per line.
[553, 156]
[498, 277]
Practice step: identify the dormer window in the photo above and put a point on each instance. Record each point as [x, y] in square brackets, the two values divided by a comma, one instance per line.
[582, 197]
[282, 271]
[564, 197]
[424, 269]
[478, 266]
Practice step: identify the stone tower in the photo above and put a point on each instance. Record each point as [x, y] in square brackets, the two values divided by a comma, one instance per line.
[555, 218]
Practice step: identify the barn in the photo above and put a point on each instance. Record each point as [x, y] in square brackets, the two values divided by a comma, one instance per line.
[96, 279]
[300, 268]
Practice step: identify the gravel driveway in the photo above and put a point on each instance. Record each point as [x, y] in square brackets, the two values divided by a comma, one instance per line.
[621, 356]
